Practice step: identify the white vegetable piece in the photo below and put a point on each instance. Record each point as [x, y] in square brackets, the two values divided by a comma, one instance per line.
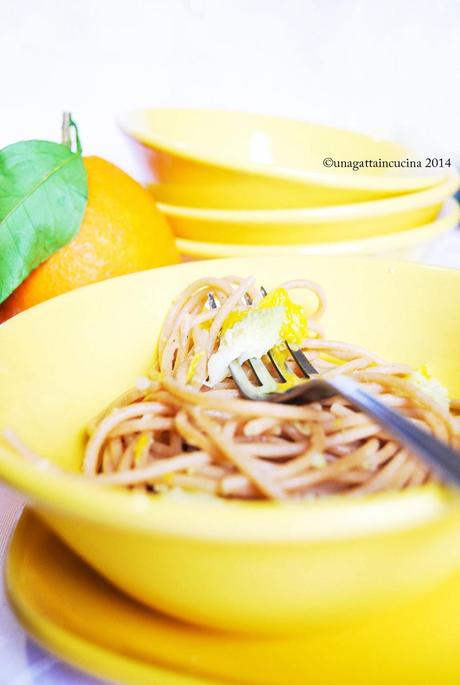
[251, 337]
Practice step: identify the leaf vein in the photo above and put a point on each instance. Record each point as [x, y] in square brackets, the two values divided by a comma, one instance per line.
[36, 187]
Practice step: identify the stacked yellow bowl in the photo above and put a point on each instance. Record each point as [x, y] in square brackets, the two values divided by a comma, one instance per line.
[233, 183]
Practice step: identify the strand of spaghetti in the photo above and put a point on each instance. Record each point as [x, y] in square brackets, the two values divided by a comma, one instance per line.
[253, 292]
[209, 400]
[191, 435]
[352, 435]
[225, 309]
[258, 426]
[160, 449]
[180, 362]
[24, 450]
[376, 459]
[408, 389]
[143, 424]
[348, 367]
[126, 398]
[339, 407]
[213, 471]
[116, 451]
[142, 458]
[195, 483]
[165, 398]
[315, 454]
[333, 347]
[419, 476]
[436, 426]
[328, 472]
[96, 440]
[273, 450]
[224, 393]
[237, 485]
[313, 287]
[156, 470]
[351, 477]
[393, 400]
[382, 479]
[199, 346]
[205, 284]
[394, 369]
[108, 464]
[404, 473]
[352, 420]
[177, 346]
[247, 465]
[228, 429]
[126, 460]
[295, 433]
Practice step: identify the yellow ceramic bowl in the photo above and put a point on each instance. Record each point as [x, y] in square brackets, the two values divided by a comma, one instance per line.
[413, 244]
[313, 225]
[246, 566]
[236, 160]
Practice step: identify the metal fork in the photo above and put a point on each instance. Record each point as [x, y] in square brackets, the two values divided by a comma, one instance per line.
[440, 457]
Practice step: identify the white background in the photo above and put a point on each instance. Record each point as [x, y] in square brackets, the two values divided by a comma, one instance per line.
[387, 67]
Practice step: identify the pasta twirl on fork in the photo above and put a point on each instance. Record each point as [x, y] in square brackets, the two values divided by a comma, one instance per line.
[186, 427]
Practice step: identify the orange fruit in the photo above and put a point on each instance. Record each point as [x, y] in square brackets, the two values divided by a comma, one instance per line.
[122, 231]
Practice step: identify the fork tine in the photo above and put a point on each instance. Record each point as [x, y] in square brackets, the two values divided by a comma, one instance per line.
[248, 389]
[302, 362]
[263, 375]
[276, 362]
[277, 366]
[299, 357]
[288, 376]
[212, 301]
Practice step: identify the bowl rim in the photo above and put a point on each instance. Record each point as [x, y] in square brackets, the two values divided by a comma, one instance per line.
[349, 212]
[446, 220]
[127, 123]
[72, 496]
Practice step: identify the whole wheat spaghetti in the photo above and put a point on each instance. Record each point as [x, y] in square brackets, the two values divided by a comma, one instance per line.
[172, 431]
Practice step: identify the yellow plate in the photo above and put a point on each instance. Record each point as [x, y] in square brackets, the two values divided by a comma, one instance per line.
[317, 225]
[237, 160]
[249, 566]
[71, 610]
[411, 244]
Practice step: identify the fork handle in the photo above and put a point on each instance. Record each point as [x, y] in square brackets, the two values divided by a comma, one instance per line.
[444, 460]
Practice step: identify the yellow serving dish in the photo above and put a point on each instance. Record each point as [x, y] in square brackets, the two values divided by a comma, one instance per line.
[237, 160]
[413, 244]
[312, 225]
[244, 566]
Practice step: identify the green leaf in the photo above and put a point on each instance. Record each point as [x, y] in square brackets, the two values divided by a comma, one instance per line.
[43, 194]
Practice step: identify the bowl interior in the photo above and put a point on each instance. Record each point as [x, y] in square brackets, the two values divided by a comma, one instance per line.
[243, 140]
[63, 361]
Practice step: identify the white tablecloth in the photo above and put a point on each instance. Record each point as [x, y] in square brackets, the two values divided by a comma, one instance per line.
[21, 661]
